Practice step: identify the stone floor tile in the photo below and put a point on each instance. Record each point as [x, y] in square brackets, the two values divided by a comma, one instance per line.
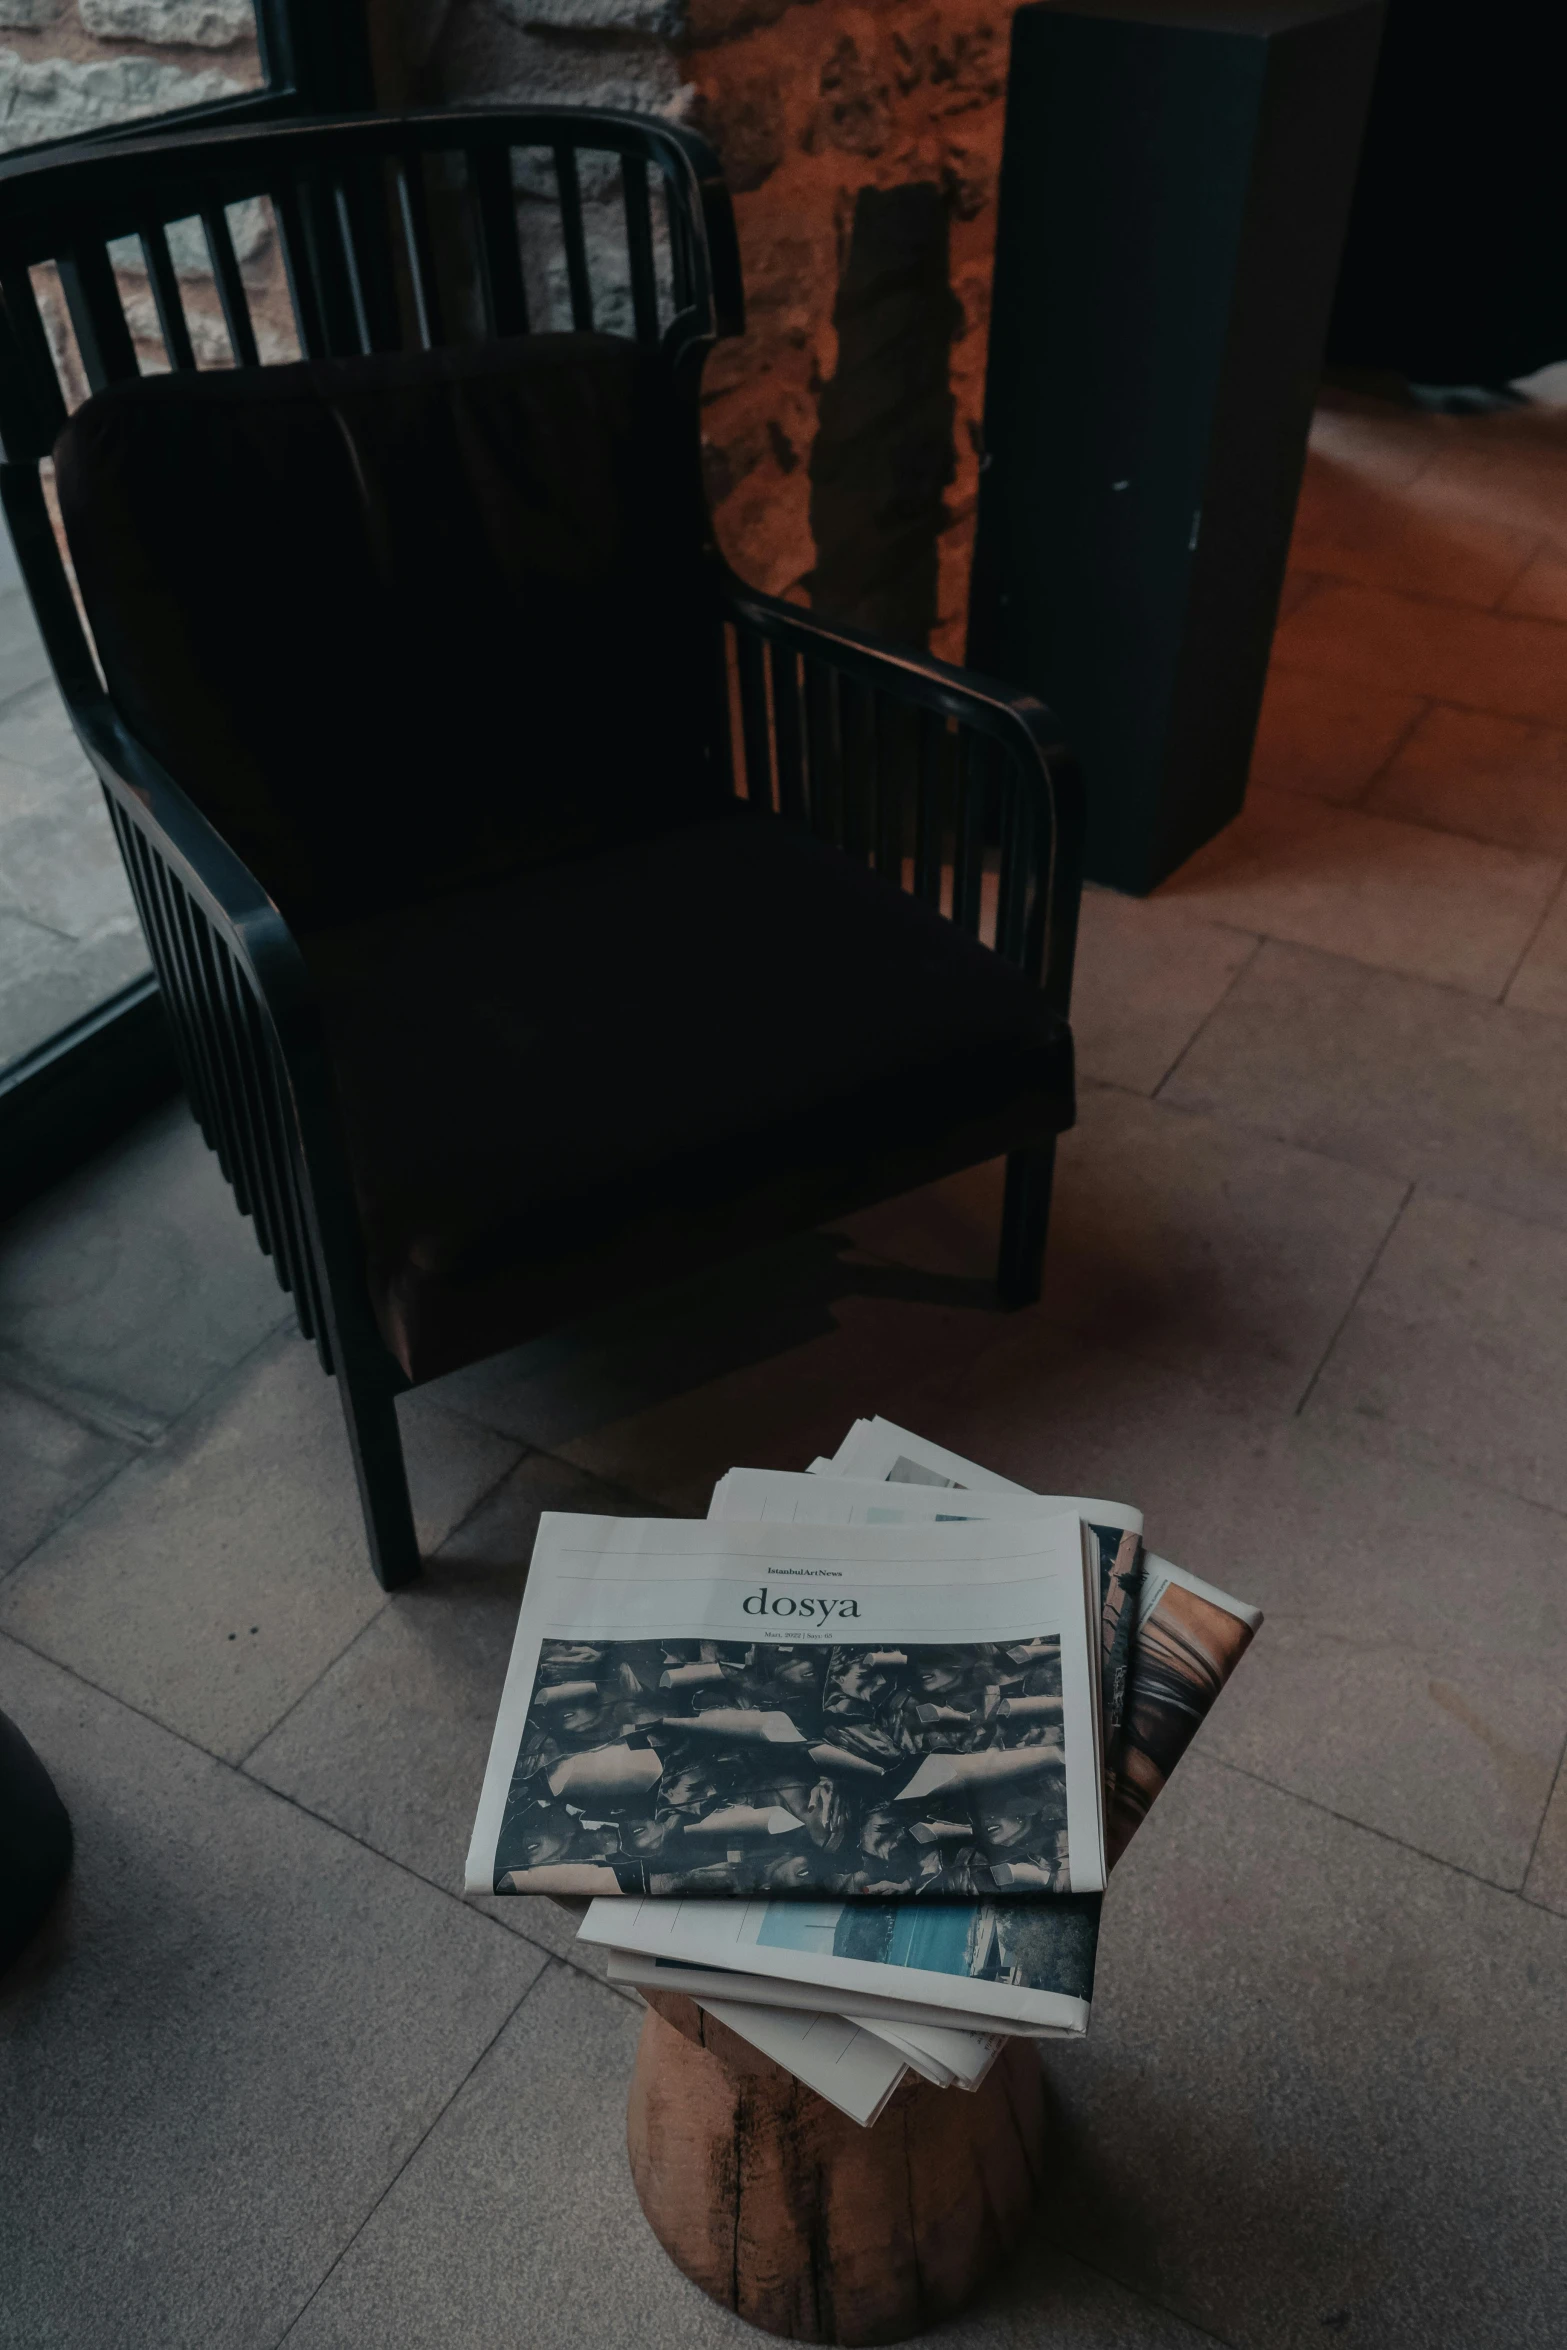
[1326, 739]
[49, 1464]
[64, 871]
[47, 980]
[1412, 1672]
[516, 2223]
[231, 2035]
[26, 791]
[1383, 445]
[137, 1282]
[1298, 585]
[1205, 1250]
[780, 1409]
[653, 1349]
[36, 732]
[1493, 779]
[392, 1741]
[1443, 652]
[1321, 2097]
[23, 661]
[1513, 471]
[1146, 980]
[1547, 1878]
[1422, 1083]
[1540, 982]
[1456, 1349]
[1397, 895]
[222, 1572]
[1540, 590]
[449, 2259]
[1409, 535]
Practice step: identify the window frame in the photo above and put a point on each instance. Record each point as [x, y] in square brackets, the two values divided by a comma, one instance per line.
[72, 1094]
[315, 55]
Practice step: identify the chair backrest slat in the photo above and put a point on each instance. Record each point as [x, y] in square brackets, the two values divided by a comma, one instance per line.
[364, 226]
[639, 245]
[822, 750]
[424, 281]
[931, 758]
[32, 405]
[230, 285]
[309, 324]
[679, 249]
[858, 779]
[755, 733]
[1017, 864]
[575, 243]
[968, 850]
[161, 277]
[784, 666]
[500, 259]
[355, 275]
[889, 746]
[329, 267]
[97, 315]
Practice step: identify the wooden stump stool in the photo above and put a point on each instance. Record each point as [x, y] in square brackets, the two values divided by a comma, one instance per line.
[783, 2209]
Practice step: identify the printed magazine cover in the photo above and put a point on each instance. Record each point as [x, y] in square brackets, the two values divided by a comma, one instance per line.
[823, 1498]
[673, 1762]
[1166, 1657]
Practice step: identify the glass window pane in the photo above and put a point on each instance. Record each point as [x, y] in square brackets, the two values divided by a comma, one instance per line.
[69, 67]
[69, 937]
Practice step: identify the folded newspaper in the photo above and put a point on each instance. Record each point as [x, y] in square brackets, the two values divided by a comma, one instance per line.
[728, 1706]
[950, 1704]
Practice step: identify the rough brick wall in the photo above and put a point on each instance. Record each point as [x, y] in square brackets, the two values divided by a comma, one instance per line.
[862, 145]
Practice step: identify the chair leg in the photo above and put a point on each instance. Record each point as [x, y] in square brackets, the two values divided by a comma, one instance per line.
[370, 1409]
[1025, 1219]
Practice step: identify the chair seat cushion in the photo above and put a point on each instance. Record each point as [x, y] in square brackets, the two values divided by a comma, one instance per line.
[591, 1077]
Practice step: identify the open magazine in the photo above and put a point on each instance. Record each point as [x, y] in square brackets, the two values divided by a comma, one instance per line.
[1187, 1639]
[801, 1710]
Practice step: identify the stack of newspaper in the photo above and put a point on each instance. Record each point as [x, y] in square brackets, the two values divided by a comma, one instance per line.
[849, 1760]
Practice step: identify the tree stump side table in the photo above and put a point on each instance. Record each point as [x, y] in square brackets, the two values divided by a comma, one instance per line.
[789, 2213]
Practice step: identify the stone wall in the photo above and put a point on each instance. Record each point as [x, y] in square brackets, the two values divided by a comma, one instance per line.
[68, 66]
[862, 145]
[75, 65]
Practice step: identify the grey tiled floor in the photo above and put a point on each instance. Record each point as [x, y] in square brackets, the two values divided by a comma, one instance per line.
[268, 2079]
[68, 930]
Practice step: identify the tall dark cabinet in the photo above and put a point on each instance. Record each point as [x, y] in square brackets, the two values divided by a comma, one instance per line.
[1174, 190]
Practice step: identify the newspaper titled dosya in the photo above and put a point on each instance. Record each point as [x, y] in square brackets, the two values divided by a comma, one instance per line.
[791, 1710]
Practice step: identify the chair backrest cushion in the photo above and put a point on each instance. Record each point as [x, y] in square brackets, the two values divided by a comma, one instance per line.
[402, 623]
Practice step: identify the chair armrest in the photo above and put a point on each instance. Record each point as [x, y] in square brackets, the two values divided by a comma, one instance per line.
[986, 757]
[247, 1023]
[237, 990]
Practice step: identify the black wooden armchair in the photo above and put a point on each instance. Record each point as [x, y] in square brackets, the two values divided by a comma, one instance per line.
[539, 911]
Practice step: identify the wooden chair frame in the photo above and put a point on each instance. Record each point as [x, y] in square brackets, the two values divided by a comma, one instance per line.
[925, 772]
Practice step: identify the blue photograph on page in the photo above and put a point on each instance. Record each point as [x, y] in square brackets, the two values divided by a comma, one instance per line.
[1039, 1946]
